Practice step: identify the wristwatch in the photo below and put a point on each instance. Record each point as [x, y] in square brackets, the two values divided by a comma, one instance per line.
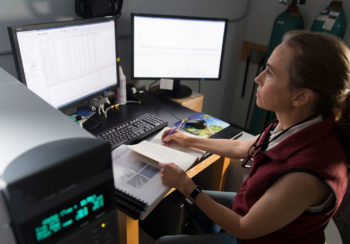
[191, 199]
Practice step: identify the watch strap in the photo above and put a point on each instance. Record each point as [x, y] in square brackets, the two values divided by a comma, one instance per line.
[192, 197]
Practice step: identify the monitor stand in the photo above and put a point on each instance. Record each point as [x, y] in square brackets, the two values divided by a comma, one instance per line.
[178, 91]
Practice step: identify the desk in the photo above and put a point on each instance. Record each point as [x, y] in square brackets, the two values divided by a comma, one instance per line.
[129, 228]
[171, 112]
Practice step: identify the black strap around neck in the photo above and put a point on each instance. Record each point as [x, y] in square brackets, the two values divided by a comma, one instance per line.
[267, 140]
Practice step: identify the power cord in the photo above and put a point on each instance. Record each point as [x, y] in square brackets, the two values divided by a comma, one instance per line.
[132, 101]
[169, 113]
[199, 86]
[114, 106]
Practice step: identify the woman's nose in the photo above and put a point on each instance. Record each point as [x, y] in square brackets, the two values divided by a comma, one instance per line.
[259, 78]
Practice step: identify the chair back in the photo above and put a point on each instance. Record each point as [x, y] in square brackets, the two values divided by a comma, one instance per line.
[342, 217]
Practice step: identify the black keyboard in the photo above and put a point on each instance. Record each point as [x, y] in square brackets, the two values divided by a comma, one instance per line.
[133, 130]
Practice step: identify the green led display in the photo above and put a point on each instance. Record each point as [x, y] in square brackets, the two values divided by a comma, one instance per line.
[67, 223]
[81, 213]
[97, 202]
[66, 217]
[67, 211]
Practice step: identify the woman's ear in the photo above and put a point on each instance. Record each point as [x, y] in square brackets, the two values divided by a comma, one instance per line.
[303, 97]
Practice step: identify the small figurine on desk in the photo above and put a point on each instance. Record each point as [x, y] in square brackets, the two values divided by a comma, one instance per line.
[299, 162]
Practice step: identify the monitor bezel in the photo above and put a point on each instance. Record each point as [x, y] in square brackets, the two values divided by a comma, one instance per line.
[13, 30]
[176, 17]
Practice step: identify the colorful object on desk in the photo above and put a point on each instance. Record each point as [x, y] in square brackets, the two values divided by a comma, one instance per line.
[85, 113]
[214, 125]
[73, 117]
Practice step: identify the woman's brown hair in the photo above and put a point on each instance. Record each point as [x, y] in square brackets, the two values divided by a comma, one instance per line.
[321, 63]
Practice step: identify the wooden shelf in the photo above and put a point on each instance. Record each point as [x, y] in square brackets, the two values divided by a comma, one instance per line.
[194, 102]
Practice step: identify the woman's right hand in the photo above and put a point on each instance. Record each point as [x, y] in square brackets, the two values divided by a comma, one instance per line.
[177, 137]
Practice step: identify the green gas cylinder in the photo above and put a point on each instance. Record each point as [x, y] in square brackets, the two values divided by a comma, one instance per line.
[288, 20]
[331, 20]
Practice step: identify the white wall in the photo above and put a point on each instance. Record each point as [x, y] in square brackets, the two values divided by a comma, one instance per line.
[260, 18]
[19, 12]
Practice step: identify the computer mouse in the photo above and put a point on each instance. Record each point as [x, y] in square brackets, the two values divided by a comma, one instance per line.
[196, 123]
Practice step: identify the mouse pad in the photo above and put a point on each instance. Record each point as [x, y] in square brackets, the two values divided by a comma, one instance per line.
[214, 125]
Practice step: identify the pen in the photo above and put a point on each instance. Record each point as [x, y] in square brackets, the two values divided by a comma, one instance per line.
[177, 127]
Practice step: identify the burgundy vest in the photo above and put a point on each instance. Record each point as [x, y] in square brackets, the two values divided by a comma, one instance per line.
[315, 149]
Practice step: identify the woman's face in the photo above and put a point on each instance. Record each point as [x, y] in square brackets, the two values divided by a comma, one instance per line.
[274, 93]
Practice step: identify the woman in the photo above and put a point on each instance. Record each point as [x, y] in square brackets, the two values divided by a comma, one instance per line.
[299, 172]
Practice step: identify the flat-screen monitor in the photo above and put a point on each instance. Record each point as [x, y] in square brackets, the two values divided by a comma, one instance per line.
[66, 62]
[177, 48]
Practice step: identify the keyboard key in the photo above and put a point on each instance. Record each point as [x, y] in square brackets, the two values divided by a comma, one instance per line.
[133, 130]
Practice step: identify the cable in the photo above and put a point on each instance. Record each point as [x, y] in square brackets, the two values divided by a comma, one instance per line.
[114, 106]
[5, 52]
[131, 101]
[260, 66]
[245, 76]
[199, 86]
[168, 112]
